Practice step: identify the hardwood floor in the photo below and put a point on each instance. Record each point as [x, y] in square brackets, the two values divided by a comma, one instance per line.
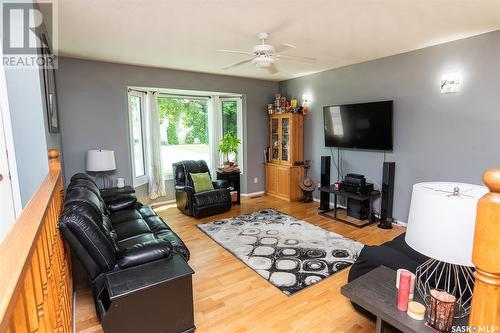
[231, 297]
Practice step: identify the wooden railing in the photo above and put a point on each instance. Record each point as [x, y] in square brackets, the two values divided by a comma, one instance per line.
[485, 312]
[35, 273]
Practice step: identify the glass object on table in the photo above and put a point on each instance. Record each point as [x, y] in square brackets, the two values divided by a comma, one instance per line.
[285, 135]
[275, 139]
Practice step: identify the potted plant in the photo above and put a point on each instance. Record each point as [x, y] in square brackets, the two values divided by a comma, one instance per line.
[229, 144]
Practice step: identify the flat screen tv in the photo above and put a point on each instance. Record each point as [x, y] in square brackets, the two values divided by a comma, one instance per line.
[359, 126]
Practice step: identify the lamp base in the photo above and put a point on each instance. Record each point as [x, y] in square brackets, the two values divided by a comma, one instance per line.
[454, 279]
[103, 180]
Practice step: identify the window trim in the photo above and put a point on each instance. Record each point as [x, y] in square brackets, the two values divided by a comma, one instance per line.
[140, 180]
[239, 127]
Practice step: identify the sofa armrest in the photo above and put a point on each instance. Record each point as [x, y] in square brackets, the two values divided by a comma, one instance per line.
[144, 252]
[121, 202]
[220, 183]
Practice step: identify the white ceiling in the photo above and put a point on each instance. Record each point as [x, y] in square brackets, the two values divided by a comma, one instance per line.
[184, 34]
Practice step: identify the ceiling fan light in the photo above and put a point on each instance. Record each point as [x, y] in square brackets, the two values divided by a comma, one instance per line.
[263, 64]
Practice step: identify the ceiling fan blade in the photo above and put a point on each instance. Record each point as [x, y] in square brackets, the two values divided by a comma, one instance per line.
[297, 58]
[237, 63]
[273, 69]
[283, 47]
[233, 51]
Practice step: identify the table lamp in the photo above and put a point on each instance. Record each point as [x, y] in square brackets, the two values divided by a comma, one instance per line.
[101, 161]
[441, 226]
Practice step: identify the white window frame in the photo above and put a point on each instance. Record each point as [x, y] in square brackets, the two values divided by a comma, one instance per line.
[140, 180]
[239, 126]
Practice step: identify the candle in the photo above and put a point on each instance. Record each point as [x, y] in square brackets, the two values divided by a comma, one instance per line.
[404, 290]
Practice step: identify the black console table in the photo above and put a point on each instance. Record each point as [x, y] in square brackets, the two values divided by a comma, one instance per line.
[153, 297]
[357, 196]
[234, 182]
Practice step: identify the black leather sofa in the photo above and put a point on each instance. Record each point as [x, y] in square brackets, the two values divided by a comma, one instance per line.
[394, 254]
[119, 237]
[200, 204]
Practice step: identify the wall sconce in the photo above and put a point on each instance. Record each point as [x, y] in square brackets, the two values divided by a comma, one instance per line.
[450, 82]
[306, 100]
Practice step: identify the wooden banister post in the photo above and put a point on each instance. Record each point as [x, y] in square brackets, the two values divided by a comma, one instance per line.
[485, 310]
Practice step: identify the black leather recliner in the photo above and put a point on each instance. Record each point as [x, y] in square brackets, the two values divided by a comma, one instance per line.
[200, 204]
[113, 235]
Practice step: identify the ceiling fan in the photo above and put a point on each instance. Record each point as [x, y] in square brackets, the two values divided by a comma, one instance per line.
[265, 55]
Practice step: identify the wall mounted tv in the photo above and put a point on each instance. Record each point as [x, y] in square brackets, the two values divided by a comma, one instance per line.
[359, 126]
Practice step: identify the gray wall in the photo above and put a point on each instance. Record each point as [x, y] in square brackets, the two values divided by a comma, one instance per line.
[450, 137]
[93, 110]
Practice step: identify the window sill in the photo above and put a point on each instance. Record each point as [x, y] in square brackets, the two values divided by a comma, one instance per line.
[139, 181]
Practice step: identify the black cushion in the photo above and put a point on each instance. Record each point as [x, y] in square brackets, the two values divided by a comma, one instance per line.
[144, 252]
[121, 202]
[394, 254]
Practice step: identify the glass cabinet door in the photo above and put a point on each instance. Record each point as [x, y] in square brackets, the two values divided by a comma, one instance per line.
[285, 139]
[275, 142]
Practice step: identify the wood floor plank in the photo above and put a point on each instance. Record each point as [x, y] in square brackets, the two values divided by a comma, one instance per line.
[231, 297]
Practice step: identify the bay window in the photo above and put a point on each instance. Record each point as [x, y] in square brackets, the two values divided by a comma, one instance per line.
[190, 128]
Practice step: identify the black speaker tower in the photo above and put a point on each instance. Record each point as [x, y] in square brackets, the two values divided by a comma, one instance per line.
[324, 199]
[387, 195]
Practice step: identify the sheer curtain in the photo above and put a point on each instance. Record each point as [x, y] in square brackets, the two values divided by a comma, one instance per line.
[214, 125]
[154, 172]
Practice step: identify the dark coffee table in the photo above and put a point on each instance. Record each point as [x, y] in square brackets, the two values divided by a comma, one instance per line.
[376, 292]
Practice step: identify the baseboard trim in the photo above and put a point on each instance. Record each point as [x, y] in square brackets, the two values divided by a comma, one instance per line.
[253, 194]
[161, 203]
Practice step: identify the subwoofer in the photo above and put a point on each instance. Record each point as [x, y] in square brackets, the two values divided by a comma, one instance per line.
[324, 199]
[386, 206]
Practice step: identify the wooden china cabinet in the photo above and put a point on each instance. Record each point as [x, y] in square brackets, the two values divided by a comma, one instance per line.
[284, 170]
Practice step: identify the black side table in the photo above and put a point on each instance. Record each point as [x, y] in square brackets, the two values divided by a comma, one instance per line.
[234, 182]
[114, 191]
[152, 297]
[376, 292]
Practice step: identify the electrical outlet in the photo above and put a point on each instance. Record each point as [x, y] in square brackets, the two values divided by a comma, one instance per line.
[255, 180]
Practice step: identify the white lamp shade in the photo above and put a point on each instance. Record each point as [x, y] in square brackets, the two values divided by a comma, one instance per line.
[440, 224]
[100, 160]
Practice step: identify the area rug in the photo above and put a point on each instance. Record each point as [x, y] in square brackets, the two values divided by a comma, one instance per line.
[291, 254]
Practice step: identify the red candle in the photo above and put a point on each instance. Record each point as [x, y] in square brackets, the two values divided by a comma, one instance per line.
[404, 290]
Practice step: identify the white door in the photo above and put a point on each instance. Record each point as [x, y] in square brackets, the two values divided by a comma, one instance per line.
[7, 212]
[10, 203]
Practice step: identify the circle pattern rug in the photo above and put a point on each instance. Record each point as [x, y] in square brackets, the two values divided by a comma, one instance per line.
[291, 254]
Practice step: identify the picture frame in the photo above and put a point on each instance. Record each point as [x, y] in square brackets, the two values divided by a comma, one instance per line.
[50, 90]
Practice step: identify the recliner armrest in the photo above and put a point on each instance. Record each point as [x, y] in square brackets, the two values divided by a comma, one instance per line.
[144, 252]
[121, 202]
[185, 188]
[220, 183]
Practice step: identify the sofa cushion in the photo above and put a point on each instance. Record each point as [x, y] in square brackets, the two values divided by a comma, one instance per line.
[201, 182]
[125, 215]
[121, 202]
[131, 228]
[144, 252]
